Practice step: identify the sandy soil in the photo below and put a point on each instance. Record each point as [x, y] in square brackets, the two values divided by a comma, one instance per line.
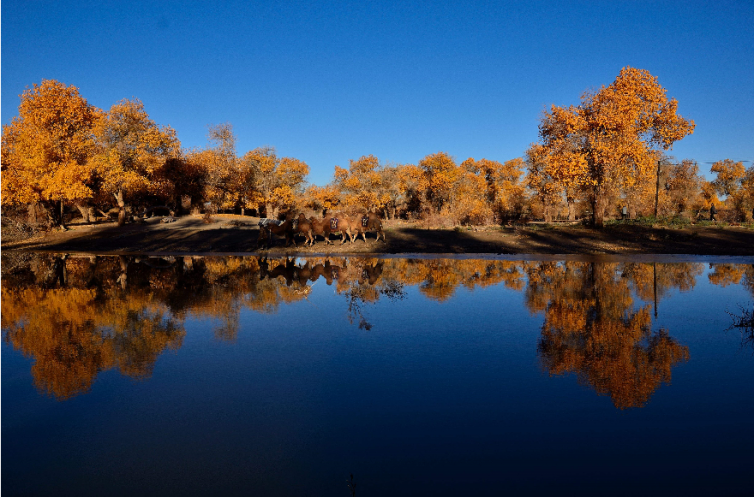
[236, 234]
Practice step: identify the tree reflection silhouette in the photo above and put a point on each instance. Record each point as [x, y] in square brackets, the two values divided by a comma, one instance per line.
[77, 316]
[592, 329]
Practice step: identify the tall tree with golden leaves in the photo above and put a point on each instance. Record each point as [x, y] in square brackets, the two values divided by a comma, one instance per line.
[47, 147]
[733, 181]
[131, 149]
[504, 190]
[361, 185]
[440, 173]
[278, 182]
[611, 140]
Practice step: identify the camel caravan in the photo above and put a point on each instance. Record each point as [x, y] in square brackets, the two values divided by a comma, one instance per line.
[348, 226]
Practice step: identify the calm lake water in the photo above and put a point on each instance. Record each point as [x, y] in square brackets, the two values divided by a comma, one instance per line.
[248, 376]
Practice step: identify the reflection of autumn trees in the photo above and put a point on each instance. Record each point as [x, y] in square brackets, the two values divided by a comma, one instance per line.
[732, 274]
[77, 316]
[74, 333]
[593, 329]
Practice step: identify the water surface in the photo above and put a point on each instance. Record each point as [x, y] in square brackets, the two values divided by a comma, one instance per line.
[248, 376]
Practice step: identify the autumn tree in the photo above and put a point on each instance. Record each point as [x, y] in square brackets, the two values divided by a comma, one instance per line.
[728, 175]
[558, 162]
[413, 183]
[228, 180]
[46, 149]
[440, 172]
[390, 190]
[538, 179]
[323, 198]
[734, 182]
[369, 184]
[131, 150]
[683, 184]
[708, 195]
[611, 139]
[183, 180]
[279, 182]
[471, 203]
[504, 190]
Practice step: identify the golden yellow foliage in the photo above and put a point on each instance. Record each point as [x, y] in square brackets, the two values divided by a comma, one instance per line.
[278, 182]
[131, 150]
[440, 173]
[609, 141]
[46, 149]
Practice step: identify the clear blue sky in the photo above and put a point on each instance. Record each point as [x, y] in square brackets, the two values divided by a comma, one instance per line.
[328, 82]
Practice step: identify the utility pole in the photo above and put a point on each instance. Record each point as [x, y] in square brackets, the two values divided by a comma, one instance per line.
[657, 187]
[654, 271]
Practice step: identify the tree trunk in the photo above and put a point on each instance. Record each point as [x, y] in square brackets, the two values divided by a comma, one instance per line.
[598, 211]
[571, 210]
[121, 207]
[123, 278]
[87, 212]
[33, 210]
[546, 211]
[55, 212]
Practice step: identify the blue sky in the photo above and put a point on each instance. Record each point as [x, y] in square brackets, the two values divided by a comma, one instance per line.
[328, 82]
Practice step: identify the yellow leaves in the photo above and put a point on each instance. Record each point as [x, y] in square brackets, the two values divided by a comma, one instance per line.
[728, 176]
[326, 197]
[341, 174]
[283, 195]
[45, 150]
[292, 172]
[276, 181]
[606, 143]
[592, 329]
[131, 148]
[440, 173]
[364, 184]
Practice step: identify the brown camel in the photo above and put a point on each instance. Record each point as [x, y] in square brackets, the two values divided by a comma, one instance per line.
[267, 230]
[343, 223]
[290, 271]
[304, 227]
[371, 273]
[369, 222]
[321, 227]
[327, 271]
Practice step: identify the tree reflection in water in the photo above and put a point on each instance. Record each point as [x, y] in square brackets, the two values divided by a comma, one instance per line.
[77, 316]
[593, 329]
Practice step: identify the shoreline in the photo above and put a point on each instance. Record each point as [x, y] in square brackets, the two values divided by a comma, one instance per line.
[236, 235]
[606, 258]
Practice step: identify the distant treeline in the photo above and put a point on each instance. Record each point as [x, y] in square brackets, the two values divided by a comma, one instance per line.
[594, 160]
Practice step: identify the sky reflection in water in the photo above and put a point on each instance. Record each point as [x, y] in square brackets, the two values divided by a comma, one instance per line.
[243, 375]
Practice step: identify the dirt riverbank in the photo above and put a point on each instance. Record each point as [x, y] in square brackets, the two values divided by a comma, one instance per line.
[236, 234]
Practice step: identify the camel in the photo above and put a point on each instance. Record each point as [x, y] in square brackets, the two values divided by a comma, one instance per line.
[371, 273]
[289, 271]
[327, 271]
[321, 227]
[369, 222]
[266, 230]
[344, 224]
[304, 226]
